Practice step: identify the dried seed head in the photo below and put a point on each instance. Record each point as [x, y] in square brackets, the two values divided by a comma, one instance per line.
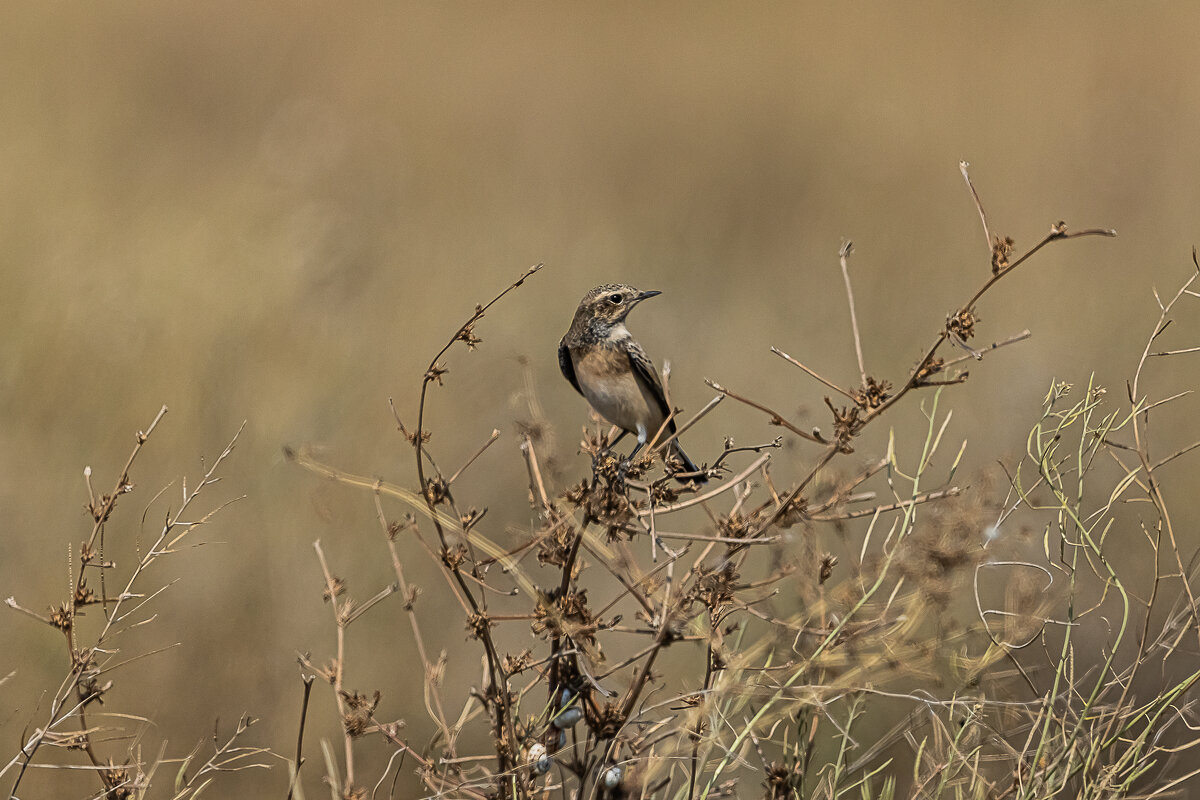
[436, 490]
[514, 665]
[1002, 248]
[359, 710]
[118, 781]
[962, 324]
[467, 334]
[435, 373]
[846, 424]
[83, 595]
[62, 617]
[873, 394]
[828, 562]
[478, 625]
[453, 557]
[608, 722]
[336, 588]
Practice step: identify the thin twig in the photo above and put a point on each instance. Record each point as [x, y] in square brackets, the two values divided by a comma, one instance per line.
[308, 682]
[843, 257]
[812, 372]
[987, 235]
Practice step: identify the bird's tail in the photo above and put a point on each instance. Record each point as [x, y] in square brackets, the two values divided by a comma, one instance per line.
[688, 465]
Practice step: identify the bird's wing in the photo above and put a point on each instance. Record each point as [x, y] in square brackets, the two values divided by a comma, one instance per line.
[647, 375]
[568, 368]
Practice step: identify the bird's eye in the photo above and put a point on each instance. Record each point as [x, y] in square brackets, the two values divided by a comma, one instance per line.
[615, 299]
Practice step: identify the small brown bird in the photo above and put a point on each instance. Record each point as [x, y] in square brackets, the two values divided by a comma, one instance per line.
[610, 369]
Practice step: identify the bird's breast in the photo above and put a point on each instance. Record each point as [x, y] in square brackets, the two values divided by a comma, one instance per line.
[611, 388]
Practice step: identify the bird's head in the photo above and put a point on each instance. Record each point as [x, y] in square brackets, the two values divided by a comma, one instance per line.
[611, 303]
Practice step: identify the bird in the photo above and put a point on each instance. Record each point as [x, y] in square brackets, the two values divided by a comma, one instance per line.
[601, 359]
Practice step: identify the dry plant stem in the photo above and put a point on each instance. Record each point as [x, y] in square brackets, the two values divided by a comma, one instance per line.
[491, 441]
[843, 256]
[912, 382]
[924, 497]
[1057, 232]
[308, 682]
[81, 660]
[339, 665]
[503, 728]
[776, 418]
[1020, 337]
[1143, 450]
[987, 235]
[709, 495]
[685, 427]
[913, 379]
[101, 515]
[812, 373]
[425, 763]
[431, 688]
[1154, 491]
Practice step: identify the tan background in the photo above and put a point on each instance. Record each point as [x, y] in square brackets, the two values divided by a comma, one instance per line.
[278, 211]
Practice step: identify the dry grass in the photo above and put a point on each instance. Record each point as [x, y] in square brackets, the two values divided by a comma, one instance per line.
[871, 629]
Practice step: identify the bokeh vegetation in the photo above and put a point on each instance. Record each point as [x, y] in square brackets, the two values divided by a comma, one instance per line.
[277, 214]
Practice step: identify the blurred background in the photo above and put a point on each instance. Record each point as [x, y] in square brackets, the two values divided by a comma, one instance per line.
[278, 212]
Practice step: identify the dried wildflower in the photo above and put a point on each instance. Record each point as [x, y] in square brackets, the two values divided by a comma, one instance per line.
[436, 490]
[478, 625]
[513, 665]
[715, 588]
[828, 562]
[577, 495]
[396, 527]
[555, 542]
[605, 503]
[83, 595]
[873, 394]
[735, 526]
[435, 373]
[608, 721]
[470, 517]
[467, 334]
[961, 326]
[453, 557]
[1058, 229]
[360, 709]
[566, 615]
[662, 493]
[61, 617]
[846, 424]
[782, 782]
[336, 588]
[118, 781]
[414, 436]
[1002, 248]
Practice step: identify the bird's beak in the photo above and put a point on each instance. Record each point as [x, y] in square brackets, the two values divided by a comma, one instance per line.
[647, 295]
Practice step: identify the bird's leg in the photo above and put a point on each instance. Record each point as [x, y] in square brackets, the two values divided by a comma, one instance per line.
[641, 442]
